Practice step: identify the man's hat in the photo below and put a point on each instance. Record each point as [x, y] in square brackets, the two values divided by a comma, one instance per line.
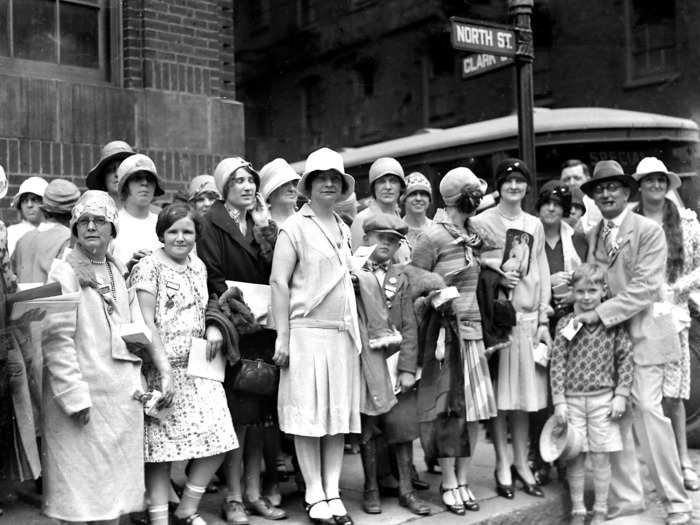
[608, 171]
[386, 223]
[559, 440]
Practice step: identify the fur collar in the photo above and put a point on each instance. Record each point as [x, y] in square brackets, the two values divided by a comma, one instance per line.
[83, 269]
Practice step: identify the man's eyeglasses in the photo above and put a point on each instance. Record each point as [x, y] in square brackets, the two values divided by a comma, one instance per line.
[611, 187]
[97, 221]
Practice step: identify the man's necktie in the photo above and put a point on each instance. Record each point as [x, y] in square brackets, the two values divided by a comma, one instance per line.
[609, 237]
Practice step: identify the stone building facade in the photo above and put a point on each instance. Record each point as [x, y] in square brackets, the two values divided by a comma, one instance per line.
[156, 73]
[346, 73]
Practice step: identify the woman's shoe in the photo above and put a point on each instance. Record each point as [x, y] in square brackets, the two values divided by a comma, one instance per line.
[505, 491]
[234, 512]
[340, 514]
[317, 521]
[456, 506]
[690, 479]
[194, 519]
[468, 499]
[529, 488]
[263, 507]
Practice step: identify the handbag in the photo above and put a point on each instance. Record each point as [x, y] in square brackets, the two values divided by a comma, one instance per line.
[255, 376]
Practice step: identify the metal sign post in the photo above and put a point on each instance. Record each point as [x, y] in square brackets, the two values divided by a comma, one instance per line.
[496, 46]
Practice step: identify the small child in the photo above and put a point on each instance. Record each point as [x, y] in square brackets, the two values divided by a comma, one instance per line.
[591, 376]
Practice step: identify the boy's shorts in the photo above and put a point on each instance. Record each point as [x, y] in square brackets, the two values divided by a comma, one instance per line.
[590, 415]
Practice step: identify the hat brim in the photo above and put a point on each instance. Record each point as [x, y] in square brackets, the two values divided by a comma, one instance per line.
[392, 232]
[18, 197]
[156, 193]
[551, 445]
[92, 181]
[588, 186]
[279, 184]
[348, 179]
[58, 210]
[674, 181]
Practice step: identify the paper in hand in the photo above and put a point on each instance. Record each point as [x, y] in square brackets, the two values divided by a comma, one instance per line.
[198, 366]
[571, 329]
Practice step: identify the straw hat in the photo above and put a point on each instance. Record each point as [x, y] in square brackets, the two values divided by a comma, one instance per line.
[115, 150]
[325, 159]
[132, 165]
[35, 185]
[559, 440]
[275, 174]
[651, 166]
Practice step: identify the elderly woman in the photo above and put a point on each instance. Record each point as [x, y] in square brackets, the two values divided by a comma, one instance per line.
[521, 384]
[682, 276]
[171, 286]
[318, 344]
[93, 426]
[236, 244]
[450, 248]
[278, 187]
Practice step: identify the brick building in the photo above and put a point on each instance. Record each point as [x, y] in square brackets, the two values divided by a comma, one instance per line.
[346, 73]
[156, 73]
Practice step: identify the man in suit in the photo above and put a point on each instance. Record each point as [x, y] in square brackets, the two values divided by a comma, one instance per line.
[633, 250]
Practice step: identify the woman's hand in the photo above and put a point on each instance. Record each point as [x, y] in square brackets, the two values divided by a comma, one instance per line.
[215, 341]
[166, 388]
[560, 279]
[281, 357]
[406, 381]
[82, 417]
[260, 213]
[510, 279]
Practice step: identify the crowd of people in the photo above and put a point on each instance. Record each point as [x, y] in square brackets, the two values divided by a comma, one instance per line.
[563, 333]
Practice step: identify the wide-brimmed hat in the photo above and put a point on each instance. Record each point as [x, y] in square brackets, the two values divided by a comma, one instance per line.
[35, 185]
[4, 184]
[115, 150]
[275, 174]
[97, 203]
[651, 166]
[134, 164]
[385, 166]
[200, 185]
[386, 223]
[416, 181]
[456, 182]
[60, 196]
[325, 159]
[608, 171]
[509, 166]
[228, 167]
[559, 440]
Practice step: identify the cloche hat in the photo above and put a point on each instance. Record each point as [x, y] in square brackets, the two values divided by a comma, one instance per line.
[35, 185]
[274, 174]
[228, 167]
[134, 164]
[456, 182]
[325, 159]
[60, 196]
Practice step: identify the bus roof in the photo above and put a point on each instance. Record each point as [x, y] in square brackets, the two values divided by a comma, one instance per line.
[548, 124]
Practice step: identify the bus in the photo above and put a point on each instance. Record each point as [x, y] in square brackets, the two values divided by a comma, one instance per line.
[590, 134]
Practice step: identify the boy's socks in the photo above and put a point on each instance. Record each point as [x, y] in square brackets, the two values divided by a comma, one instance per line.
[158, 515]
[189, 501]
[575, 475]
[601, 481]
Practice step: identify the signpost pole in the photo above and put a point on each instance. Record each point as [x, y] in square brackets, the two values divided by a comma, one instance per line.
[521, 13]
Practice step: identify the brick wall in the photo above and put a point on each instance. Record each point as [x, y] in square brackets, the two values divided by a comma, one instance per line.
[176, 104]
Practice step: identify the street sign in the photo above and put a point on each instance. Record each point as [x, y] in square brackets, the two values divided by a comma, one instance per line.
[478, 37]
[479, 63]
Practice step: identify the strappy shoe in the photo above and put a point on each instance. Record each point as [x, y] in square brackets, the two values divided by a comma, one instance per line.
[456, 507]
[341, 519]
[468, 498]
[317, 521]
[529, 488]
[192, 519]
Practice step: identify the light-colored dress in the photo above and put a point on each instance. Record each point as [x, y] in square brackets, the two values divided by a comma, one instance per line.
[677, 373]
[319, 392]
[521, 384]
[200, 423]
[445, 250]
[92, 472]
[135, 234]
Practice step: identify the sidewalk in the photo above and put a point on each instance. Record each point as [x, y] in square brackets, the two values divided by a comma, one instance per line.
[522, 510]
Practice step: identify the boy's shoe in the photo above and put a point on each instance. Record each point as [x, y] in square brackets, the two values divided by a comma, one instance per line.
[598, 517]
[578, 519]
[678, 518]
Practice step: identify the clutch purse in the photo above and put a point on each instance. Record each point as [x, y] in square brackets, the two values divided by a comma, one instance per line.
[255, 376]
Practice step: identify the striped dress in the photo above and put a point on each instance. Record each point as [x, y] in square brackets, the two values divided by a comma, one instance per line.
[445, 250]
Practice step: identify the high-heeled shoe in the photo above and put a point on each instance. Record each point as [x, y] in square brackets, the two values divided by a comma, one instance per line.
[317, 521]
[341, 517]
[454, 507]
[505, 491]
[529, 488]
[468, 498]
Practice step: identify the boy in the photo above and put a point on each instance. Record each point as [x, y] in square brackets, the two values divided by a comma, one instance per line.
[591, 377]
[388, 323]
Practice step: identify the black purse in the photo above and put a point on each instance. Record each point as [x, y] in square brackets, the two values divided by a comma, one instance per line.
[255, 376]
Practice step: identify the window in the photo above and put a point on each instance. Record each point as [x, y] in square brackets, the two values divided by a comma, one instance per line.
[59, 37]
[306, 12]
[312, 109]
[651, 39]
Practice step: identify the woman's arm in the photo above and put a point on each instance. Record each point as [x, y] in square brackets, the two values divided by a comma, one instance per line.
[147, 302]
[283, 263]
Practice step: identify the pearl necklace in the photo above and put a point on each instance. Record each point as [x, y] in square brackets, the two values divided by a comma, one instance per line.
[112, 286]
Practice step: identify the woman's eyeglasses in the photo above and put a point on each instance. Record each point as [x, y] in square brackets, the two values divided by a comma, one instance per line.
[97, 221]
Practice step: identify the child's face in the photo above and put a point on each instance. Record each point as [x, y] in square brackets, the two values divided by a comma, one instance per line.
[387, 244]
[587, 295]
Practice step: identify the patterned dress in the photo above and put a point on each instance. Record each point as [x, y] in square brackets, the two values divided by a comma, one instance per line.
[200, 424]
